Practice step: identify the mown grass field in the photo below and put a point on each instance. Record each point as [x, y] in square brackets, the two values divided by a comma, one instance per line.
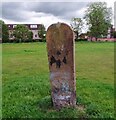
[26, 87]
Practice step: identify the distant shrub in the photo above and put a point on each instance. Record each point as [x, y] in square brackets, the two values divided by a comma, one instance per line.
[28, 40]
[80, 40]
[42, 40]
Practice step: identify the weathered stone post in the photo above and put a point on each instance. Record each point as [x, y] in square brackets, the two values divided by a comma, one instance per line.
[60, 47]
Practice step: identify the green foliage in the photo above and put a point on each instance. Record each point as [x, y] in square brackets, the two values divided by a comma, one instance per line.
[1, 22]
[114, 34]
[4, 34]
[26, 90]
[22, 33]
[98, 17]
[78, 40]
[30, 37]
[42, 33]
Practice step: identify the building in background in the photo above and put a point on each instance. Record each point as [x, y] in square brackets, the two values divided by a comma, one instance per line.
[32, 27]
[110, 32]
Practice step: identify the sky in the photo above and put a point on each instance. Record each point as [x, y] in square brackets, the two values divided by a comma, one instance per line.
[44, 12]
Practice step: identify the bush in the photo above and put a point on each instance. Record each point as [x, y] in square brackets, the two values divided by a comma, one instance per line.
[5, 34]
[28, 40]
[114, 34]
[5, 40]
[80, 40]
[42, 40]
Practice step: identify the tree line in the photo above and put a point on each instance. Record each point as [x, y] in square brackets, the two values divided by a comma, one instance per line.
[98, 18]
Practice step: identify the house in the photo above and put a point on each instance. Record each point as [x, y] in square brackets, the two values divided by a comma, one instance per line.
[32, 27]
[110, 32]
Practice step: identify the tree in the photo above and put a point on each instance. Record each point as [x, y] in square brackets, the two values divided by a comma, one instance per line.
[4, 32]
[98, 17]
[30, 36]
[22, 33]
[42, 32]
[77, 24]
[114, 34]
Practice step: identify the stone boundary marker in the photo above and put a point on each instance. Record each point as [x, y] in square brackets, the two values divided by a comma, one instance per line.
[60, 48]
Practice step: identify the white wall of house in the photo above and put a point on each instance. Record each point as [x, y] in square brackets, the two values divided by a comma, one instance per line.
[35, 34]
[109, 33]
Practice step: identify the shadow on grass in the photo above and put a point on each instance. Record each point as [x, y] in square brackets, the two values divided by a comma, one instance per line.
[45, 105]
[81, 111]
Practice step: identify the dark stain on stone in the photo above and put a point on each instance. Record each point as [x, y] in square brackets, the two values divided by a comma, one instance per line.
[53, 60]
[56, 90]
[58, 63]
[64, 60]
[58, 53]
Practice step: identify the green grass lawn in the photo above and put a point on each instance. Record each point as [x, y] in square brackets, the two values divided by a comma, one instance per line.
[26, 86]
[0, 81]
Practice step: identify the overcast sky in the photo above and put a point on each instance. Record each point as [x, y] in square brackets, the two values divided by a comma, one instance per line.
[45, 12]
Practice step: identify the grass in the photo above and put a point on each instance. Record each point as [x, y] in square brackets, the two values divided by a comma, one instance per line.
[0, 81]
[26, 87]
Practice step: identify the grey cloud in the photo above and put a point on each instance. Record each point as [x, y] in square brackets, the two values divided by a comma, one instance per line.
[57, 8]
[0, 10]
[13, 11]
[66, 10]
